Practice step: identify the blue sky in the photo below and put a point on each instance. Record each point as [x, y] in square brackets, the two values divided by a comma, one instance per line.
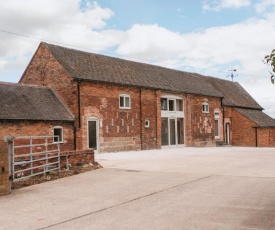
[203, 36]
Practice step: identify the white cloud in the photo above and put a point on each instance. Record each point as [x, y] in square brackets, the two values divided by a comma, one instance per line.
[217, 5]
[242, 45]
[265, 5]
[63, 21]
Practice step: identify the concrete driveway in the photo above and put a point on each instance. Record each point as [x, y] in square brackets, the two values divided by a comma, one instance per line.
[184, 188]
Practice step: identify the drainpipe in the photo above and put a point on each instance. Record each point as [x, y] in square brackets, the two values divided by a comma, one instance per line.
[223, 125]
[141, 122]
[256, 136]
[156, 137]
[78, 104]
[74, 136]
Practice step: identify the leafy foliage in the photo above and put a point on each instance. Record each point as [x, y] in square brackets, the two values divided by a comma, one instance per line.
[270, 60]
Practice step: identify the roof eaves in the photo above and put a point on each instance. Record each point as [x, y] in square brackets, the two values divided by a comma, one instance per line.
[143, 87]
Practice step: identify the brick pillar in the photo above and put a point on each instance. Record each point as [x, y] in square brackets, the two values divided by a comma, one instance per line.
[5, 186]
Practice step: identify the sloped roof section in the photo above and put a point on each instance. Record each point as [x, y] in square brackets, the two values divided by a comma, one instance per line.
[234, 94]
[94, 67]
[257, 116]
[28, 102]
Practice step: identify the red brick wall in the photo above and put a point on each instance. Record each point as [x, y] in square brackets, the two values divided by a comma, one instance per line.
[266, 137]
[199, 126]
[120, 129]
[243, 133]
[5, 188]
[45, 70]
[29, 128]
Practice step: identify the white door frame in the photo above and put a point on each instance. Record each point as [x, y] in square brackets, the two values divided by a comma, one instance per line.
[97, 133]
[176, 133]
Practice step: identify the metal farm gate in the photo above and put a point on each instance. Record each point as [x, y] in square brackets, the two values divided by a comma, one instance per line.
[33, 155]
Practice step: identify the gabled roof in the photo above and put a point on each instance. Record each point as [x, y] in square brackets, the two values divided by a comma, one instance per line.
[94, 67]
[28, 102]
[258, 117]
[234, 94]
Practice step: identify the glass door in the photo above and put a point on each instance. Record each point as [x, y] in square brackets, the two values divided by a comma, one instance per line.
[173, 131]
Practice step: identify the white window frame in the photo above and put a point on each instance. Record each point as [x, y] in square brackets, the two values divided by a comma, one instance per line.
[62, 134]
[124, 96]
[217, 118]
[205, 107]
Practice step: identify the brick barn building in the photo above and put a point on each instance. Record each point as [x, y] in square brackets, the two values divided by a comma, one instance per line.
[28, 110]
[119, 105]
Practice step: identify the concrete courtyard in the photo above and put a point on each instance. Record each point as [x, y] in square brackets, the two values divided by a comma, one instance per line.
[181, 188]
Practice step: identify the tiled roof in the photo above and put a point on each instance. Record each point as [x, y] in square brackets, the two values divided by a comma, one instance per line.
[28, 102]
[100, 68]
[234, 94]
[257, 116]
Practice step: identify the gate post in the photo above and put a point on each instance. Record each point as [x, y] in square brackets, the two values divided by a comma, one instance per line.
[5, 183]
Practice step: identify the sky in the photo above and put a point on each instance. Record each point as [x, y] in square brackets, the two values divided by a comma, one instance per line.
[202, 36]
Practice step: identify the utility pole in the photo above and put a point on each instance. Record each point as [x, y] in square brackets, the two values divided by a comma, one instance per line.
[233, 73]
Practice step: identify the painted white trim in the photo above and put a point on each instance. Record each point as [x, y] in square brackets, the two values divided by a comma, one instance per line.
[62, 134]
[206, 111]
[124, 95]
[170, 96]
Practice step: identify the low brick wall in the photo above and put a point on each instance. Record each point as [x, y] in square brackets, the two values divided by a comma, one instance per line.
[76, 157]
[5, 187]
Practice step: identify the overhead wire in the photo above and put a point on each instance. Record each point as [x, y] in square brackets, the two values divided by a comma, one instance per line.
[117, 55]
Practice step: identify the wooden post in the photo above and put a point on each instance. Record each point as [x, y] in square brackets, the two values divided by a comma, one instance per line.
[5, 185]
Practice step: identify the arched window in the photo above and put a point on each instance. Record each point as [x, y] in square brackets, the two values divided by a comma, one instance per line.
[205, 107]
[124, 101]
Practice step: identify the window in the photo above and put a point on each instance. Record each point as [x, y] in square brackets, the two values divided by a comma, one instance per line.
[58, 134]
[205, 107]
[163, 102]
[217, 124]
[124, 101]
[179, 105]
[171, 103]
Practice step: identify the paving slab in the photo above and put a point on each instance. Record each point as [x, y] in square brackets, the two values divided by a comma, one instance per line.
[183, 188]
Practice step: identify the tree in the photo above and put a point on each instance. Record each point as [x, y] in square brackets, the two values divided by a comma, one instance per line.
[270, 60]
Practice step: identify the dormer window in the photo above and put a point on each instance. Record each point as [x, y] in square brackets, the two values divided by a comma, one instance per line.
[124, 101]
[205, 107]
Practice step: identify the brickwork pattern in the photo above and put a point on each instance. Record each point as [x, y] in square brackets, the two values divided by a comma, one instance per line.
[266, 137]
[243, 133]
[5, 188]
[36, 128]
[45, 70]
[76, 158]
[200, 127]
